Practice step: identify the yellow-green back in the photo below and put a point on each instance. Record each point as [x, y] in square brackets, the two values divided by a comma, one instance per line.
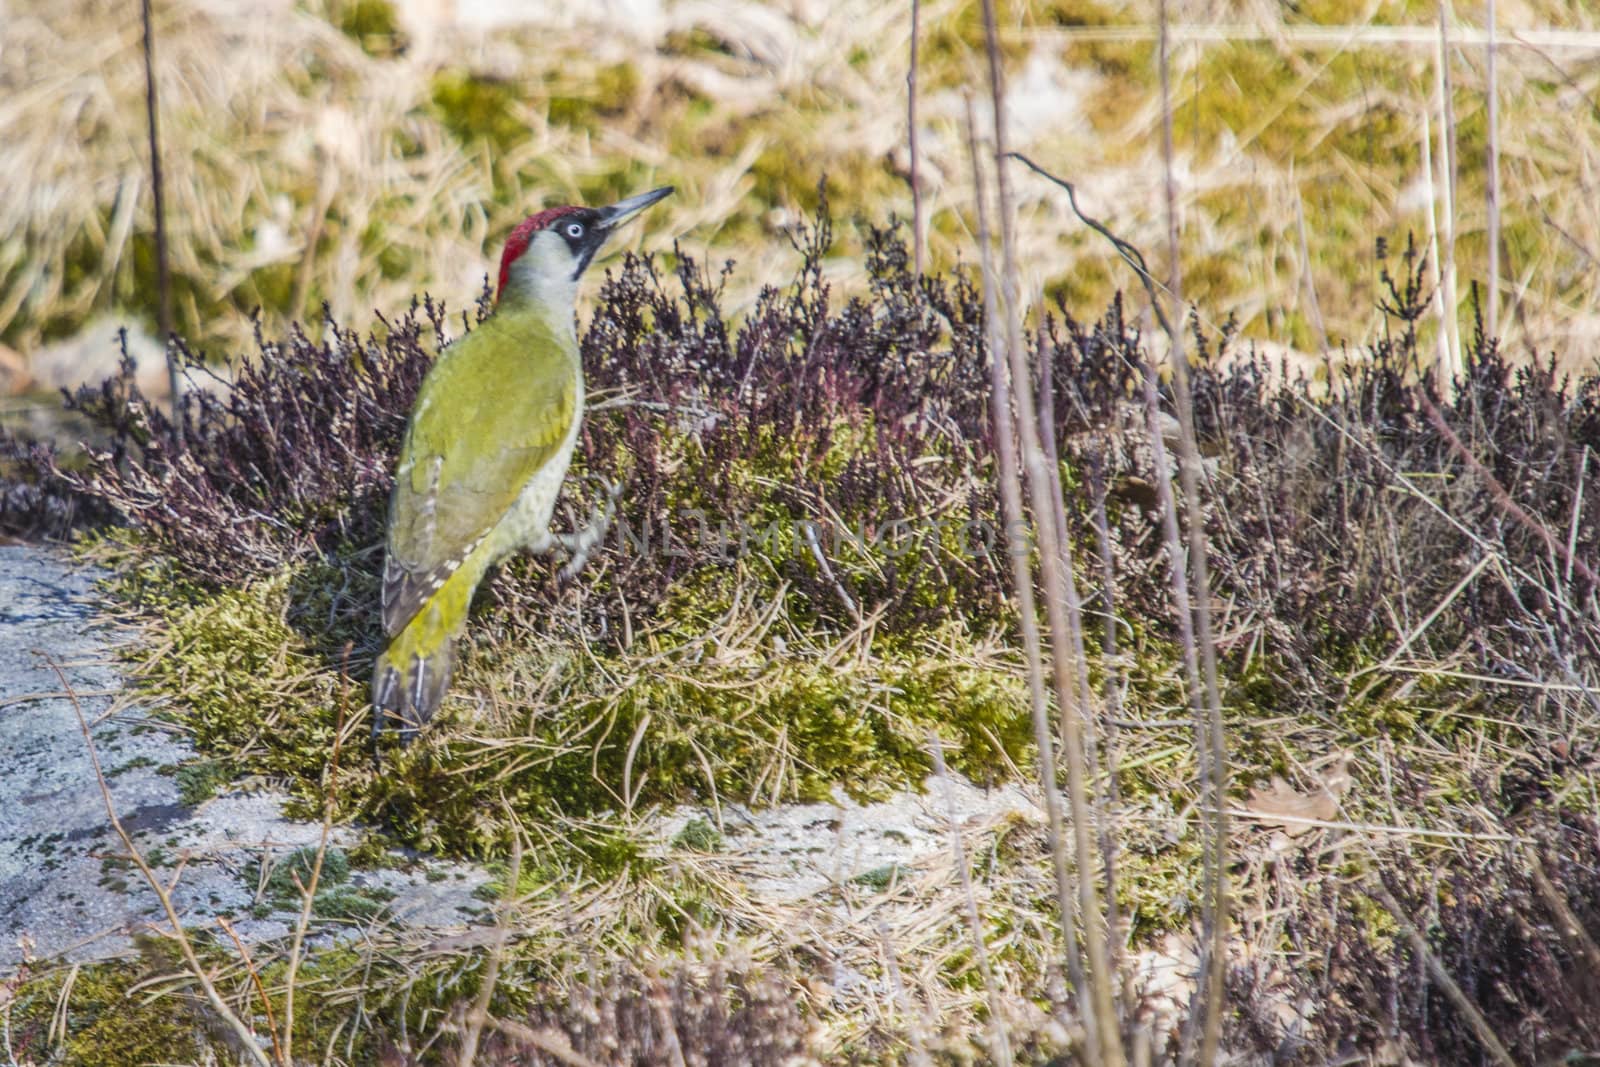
[494, 409]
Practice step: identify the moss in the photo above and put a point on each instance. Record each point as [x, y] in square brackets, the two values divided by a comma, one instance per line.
[270, 288]
[1245, 87]
[133, 288]
[595, 850]
[785, 175]
[249, 684]
[107, 1021]
[351, 903]
[1088, 284]
[1128, 65]
[987, 711]
[373, 24]
[952, 44]
[879, 878]
[695, 40]
[476, 108]
[293, 872]
[125, 1013]
[396, 261]
[608, 93]
[192, 304]
[698, 835]
[201, 780]
[260, 691]
[615, 182]
[1079, 13]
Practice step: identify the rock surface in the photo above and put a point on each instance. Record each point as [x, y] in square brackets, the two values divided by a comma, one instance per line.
[67, 887]
[68, 890]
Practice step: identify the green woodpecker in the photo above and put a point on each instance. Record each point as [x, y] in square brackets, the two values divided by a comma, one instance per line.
[485, 453]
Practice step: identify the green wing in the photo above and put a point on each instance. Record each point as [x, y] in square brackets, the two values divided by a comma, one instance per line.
[491, 412]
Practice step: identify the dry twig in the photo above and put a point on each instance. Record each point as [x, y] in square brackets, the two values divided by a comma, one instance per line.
[1448, 985]
[163, 271]
[1018, 548]
[246, 1038]
[1000, 1046]
[308, 891]
[1211, 744]
[911, 138]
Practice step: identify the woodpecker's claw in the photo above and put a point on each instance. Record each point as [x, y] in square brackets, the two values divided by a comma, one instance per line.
[580, 545]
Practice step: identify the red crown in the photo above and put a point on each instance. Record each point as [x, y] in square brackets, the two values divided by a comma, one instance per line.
[517, 243]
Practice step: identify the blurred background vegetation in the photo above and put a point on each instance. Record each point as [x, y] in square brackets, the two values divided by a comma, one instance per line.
[354, 152]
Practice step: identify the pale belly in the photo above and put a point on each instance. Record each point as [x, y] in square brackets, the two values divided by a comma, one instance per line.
[527, 524]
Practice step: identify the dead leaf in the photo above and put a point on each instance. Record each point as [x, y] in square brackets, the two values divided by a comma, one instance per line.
[1282, 805]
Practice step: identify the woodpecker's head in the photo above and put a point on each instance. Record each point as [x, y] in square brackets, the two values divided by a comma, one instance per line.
[547, 252]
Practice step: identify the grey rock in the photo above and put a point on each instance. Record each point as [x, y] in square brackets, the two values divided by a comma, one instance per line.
[67, 888]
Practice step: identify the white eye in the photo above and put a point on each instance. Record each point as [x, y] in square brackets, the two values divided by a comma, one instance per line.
[574, 229]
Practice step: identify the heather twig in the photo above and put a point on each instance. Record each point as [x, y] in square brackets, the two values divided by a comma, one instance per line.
[1441, 977]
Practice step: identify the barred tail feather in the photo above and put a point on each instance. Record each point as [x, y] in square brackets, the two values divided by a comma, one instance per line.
[410, 678]
[409, 685]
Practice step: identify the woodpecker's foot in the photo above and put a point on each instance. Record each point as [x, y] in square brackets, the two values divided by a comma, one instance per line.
[579, 546]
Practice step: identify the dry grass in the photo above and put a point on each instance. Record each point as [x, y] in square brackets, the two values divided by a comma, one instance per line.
[302, 169]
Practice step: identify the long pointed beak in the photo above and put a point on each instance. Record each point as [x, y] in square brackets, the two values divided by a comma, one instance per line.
[623, 210]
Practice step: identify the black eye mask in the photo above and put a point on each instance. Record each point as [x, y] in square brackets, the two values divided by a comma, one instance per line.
[584, 236]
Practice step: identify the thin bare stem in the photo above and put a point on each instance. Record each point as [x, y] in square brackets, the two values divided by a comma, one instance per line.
[1305, 267]
[1111, 694]
[308, 891]
[1211, 744]
[1045, 428]
[278, 1052]
[1446, 370]
[1492, 178]
[1001, 1044]
[1060, 598]
[1447, 985]
[1018, 549]
[1105, 783]
[1447, 217]
[163, 274]
[1161, 466]
[911, 138]
[246, 1038]
[1571, 927]
[491, 972]
[810, 534]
